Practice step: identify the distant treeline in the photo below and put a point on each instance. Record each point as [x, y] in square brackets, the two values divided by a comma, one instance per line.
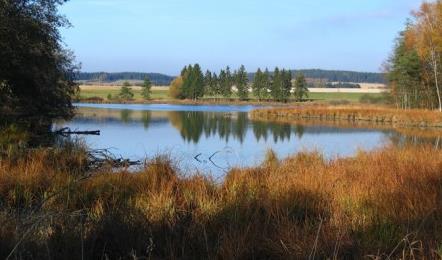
[162, 79]
[343, 76]
[339, 76]
[104, 77]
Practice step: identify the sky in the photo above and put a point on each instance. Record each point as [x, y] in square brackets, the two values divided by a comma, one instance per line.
[164, 35]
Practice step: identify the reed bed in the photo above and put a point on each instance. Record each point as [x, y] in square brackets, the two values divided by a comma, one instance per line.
[380, 204]
[380, 115]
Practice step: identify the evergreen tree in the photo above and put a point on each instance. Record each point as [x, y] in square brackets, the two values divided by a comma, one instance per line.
[214, 86]
[241, 80]
[126, 92]
[186, 88]
[276, 85]
[208, 90]
[197, 82]
[286, 85]
[266, 83]
[226, 83]
[257, 85]
[146, 89]
[301, 89]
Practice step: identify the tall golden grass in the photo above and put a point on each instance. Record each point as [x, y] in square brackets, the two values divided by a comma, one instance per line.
[385, 203]
[383, 115]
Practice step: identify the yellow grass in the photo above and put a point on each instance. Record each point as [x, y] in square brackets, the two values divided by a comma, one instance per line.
[381, 115]
[381, 203]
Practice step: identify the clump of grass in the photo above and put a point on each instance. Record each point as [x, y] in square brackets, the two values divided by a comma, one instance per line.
[385, 202]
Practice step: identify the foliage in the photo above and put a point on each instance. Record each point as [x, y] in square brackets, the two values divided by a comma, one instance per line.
[36, 72]
[301, 89]
[146, 89]
[176, 88]
[414, 70]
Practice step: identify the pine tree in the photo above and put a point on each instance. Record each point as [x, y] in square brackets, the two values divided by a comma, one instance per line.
[301, 89]
[257, 85]
[286, 85]
[226, 83]
[266, 83]
[241, 81]
[208, 90]
[276, 85]
[197, 82]
[146, 89]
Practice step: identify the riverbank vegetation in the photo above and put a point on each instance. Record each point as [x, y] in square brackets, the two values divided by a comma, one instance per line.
[381, 203]
[381, 115]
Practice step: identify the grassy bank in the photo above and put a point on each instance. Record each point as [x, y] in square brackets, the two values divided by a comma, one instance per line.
[378, 115]
[382, 203]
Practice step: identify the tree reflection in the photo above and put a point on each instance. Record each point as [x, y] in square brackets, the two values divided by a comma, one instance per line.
[192, 125]
[125, 115]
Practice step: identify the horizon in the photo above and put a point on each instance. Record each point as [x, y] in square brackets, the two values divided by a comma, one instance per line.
[163, 37]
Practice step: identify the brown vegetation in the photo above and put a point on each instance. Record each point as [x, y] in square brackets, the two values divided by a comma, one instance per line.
[380, 115]
[382, 203]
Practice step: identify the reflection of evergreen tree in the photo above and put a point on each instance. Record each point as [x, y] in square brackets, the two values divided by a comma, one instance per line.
[280, 131]
[190, 124]
[260, 129]
[299, 130]
[240, 127]
[125, 115]
[146, 117]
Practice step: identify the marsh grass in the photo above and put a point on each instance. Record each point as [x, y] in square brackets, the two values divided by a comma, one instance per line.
[379, 204]
[379, 115]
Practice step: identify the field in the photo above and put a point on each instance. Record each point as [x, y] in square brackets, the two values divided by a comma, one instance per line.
[161, 93]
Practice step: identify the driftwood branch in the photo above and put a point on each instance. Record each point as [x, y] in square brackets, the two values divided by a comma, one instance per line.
[66, 131]
[102, 157]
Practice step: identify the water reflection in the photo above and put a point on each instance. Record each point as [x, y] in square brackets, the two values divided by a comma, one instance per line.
[232, 135]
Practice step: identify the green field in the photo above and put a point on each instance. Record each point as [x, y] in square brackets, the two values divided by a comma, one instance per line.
[162, 93]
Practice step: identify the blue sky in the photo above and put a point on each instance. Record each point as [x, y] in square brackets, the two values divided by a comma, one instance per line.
[164, 35]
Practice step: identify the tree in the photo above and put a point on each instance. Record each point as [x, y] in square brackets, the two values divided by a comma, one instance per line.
[241, 81]
[276, 85]
[286, 85]
[301, 89]
[146, 89]
[266, 83]
[36, 71]
[208, 90]
[428, 34]
[175, 89]
[126, 92]
[225, 81]
[257, 85]
[193, 82]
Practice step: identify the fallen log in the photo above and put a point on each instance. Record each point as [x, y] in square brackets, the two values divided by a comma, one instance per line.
[66, 131]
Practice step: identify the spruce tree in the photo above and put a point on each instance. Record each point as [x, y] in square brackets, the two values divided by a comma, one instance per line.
[286, 85]
[208, 90]
[197, 82]
[241, 81]
[301, 89]
[276, 85]
[226, 83]
[146, 89]
[257, 85]
[266, 83]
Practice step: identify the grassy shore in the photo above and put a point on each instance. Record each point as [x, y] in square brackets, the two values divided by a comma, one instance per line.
[372, 114]
[385, 203]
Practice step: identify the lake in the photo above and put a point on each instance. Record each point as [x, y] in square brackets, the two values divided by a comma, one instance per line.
[213, 138]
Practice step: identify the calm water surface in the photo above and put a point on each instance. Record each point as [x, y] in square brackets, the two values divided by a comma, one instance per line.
[212, 138]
